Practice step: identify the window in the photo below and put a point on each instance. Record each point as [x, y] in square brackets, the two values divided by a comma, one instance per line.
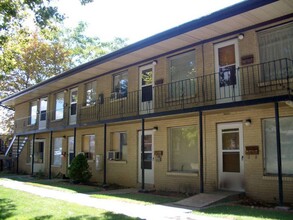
[59, 106]
[119, 144]
[33, 113]
[183, 143]
[270, 143]
[88, 146]
[120, 85]
[90, 93]
[274, 44]
[182, 75]
[57, 151]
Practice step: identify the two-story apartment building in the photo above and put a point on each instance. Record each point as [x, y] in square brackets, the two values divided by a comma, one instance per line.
[204, 106]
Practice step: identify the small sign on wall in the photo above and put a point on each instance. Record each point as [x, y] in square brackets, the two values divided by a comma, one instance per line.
[158, 155]
[251, 150]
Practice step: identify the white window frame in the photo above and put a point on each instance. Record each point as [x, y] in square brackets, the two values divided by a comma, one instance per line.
[90, 94]
[33, 113]
[191, 166]
[121, 145]
[57, 151]
[184, 84]
[270, 162]
[58, 114]
[117, 92]
[90, 149]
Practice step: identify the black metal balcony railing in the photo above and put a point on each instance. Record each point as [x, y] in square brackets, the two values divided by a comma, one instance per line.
[258, 81]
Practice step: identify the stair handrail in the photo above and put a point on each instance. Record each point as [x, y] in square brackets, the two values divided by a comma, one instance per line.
[10, 145]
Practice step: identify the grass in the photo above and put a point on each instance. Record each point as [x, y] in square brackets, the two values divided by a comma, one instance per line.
[21, 205]
[139, 198]
[236, 212]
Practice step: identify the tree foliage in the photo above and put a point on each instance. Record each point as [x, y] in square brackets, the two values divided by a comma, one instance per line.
[79, 169]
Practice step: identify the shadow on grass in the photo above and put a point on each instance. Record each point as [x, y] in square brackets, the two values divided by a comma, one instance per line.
[243, 211]
[105, 216]
[6, 208]
[44, 217]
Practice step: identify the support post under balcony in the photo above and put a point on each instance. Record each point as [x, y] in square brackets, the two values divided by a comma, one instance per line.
[279, 158]
[201, 185]
[105, 155]
[17, 154]
[74, 141]
[142, 154]
[50, 156]
[33, 153]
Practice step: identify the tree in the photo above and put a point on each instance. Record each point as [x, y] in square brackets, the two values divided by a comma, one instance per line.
[13, 13]
[79, 169]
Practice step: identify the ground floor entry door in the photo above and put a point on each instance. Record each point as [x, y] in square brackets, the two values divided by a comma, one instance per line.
[230, 153]
[38, 156]
[148, 157]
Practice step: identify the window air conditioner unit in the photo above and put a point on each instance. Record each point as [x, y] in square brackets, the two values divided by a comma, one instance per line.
[113, 155]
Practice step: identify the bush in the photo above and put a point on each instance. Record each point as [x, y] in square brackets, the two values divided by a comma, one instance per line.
[79, 169]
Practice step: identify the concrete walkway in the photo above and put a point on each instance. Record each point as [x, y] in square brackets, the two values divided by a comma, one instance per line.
[152, 212]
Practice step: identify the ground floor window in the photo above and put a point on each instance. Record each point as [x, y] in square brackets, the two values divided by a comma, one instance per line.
[57, 151]
[183, 148]
[88, 146]
[119, 144]
[270, 145]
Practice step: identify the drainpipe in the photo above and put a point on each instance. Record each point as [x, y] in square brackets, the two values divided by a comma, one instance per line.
[279, 158]
[105, 155]
[17, 154]
[74, 141]
[142, 154]
[33, 153]
[201, 185]
[51, 152]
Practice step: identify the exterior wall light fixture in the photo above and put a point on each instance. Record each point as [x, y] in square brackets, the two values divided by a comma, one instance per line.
[247, 122]
[241, 36]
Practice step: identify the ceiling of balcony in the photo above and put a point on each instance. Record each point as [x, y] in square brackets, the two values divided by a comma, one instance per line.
[217, 24]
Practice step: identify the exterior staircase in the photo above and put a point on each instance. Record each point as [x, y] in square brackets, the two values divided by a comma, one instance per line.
[14, 149]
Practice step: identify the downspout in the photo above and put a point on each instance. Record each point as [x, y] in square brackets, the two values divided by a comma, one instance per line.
[33, 153]
[17, 154]
[279, 158]
[201, 185]
[105, 155]
[142, 154]
[50, 156]
[74, 142]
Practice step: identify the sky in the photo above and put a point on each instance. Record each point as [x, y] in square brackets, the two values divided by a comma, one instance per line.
[136, 19]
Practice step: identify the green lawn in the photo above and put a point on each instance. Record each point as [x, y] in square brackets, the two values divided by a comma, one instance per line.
[21, 205]
[244, 213]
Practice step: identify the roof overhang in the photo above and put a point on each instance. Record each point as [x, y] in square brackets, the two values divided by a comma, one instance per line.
[233, 19]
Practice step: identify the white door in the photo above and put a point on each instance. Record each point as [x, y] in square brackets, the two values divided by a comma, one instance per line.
[73, 106]
[39, 153]
[146, 97]
[226, 64]
[230, 152]
[148, 157]
[43, 113]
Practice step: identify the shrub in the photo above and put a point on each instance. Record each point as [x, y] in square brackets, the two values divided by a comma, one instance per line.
[79, 169]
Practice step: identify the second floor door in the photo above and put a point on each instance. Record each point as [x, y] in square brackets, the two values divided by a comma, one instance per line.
[226, 64]
[43, 113]
[73, 106]
[146, 96]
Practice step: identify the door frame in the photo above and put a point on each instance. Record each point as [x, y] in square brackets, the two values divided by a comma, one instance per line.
[223, 176]
[142, 106]
[73, 118]
[149, 174]
[235, 90]
[39, 166]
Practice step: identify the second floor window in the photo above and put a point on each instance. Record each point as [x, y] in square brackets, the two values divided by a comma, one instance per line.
[59, 106]
[120, 85]
[90, 93]
[181, 70]
[33, 113]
